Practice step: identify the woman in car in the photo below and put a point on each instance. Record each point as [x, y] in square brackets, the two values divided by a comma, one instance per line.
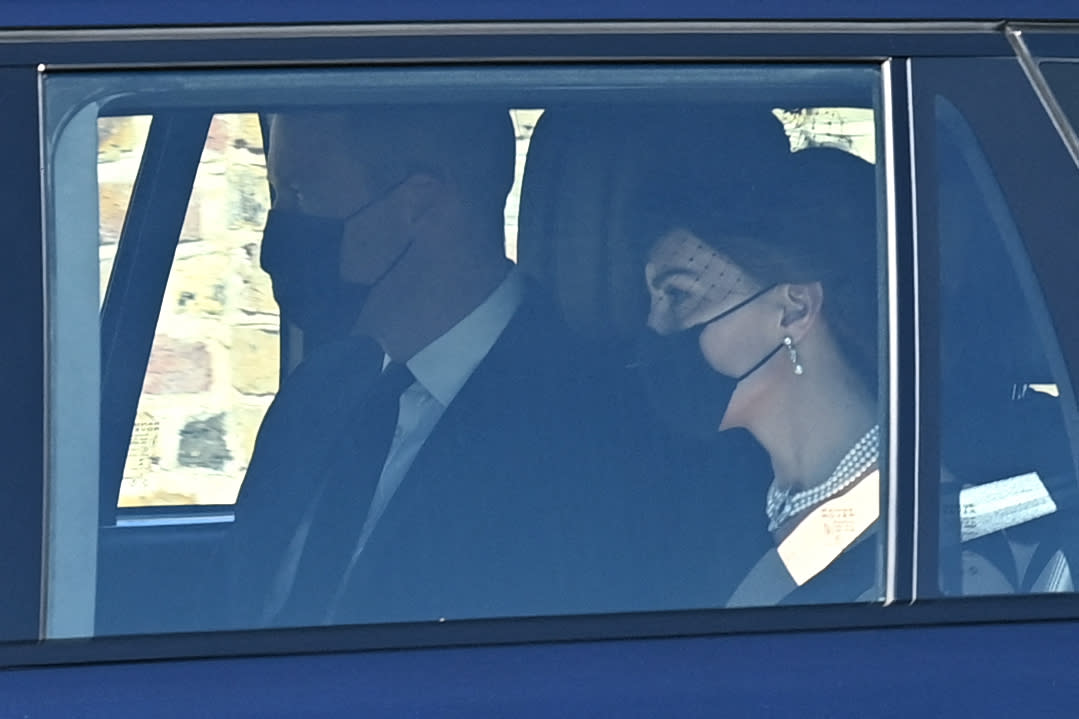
[764, 317]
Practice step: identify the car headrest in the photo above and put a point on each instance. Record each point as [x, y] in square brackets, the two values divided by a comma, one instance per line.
[580, 228]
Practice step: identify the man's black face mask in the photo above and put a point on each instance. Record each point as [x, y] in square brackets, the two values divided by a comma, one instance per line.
[302, 255]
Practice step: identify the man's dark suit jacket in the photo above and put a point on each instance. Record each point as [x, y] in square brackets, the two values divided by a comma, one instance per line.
[540, 491]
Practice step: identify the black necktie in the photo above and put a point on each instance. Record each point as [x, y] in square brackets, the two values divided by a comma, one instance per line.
[326, 538]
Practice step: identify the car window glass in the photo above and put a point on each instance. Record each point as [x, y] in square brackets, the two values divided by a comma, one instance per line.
[430, 399]
[1009, 474]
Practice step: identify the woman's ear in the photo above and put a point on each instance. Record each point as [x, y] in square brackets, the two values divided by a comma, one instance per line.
[801, 308]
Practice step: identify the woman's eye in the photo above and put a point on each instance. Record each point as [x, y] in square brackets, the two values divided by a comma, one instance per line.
[675, 295]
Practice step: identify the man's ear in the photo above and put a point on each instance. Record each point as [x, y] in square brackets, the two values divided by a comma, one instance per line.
[801, 307]
[422, 192]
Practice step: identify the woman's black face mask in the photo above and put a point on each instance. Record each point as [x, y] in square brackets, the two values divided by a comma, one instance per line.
[688, 393]
[302, 255]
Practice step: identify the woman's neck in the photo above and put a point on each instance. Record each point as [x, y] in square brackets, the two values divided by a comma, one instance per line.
[812, 424]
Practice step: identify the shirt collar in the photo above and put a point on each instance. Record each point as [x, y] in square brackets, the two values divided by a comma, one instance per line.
[443, 366]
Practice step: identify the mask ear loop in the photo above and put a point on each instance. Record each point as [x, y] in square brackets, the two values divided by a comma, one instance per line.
[376, 199]
[735, 309]
[740, 305]
[400, 253]
[760, 364]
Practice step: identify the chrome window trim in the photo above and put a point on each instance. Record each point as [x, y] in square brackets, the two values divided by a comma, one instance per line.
[475, 42]
[901, 548]
[437, 29]
[145, 519]
[915, 354]
[1045, 93]
[1069, 27]
[892, 329]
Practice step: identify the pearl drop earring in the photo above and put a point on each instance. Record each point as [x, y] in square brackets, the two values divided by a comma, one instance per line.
[798, 368]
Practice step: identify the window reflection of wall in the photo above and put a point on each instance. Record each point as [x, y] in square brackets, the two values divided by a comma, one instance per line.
[119, 151]
[844, 128]
[213, 367]
[525, 122]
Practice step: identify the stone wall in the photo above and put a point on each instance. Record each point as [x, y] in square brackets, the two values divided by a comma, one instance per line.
[214, 365]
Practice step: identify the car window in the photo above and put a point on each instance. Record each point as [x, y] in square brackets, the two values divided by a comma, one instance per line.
[429, 399]
[1004, 412]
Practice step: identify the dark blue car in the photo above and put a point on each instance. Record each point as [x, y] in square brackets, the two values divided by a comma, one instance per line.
[742, 347]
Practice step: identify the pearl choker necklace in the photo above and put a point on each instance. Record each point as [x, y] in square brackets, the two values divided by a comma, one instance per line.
[782, 504]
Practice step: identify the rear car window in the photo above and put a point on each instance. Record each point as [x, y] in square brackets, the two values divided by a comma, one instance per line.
[1005, 444]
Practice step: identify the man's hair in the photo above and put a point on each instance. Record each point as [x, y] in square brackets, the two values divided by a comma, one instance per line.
[472, 147]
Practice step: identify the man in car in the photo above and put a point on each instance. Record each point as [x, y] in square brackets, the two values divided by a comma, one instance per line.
[482, 472]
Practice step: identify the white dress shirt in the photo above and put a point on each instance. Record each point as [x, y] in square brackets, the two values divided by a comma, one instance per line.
[441, 369]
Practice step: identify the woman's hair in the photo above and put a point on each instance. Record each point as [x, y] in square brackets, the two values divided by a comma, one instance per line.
[785, 217]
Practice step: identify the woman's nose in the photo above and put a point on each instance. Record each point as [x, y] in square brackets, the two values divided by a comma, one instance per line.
[658, 321]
